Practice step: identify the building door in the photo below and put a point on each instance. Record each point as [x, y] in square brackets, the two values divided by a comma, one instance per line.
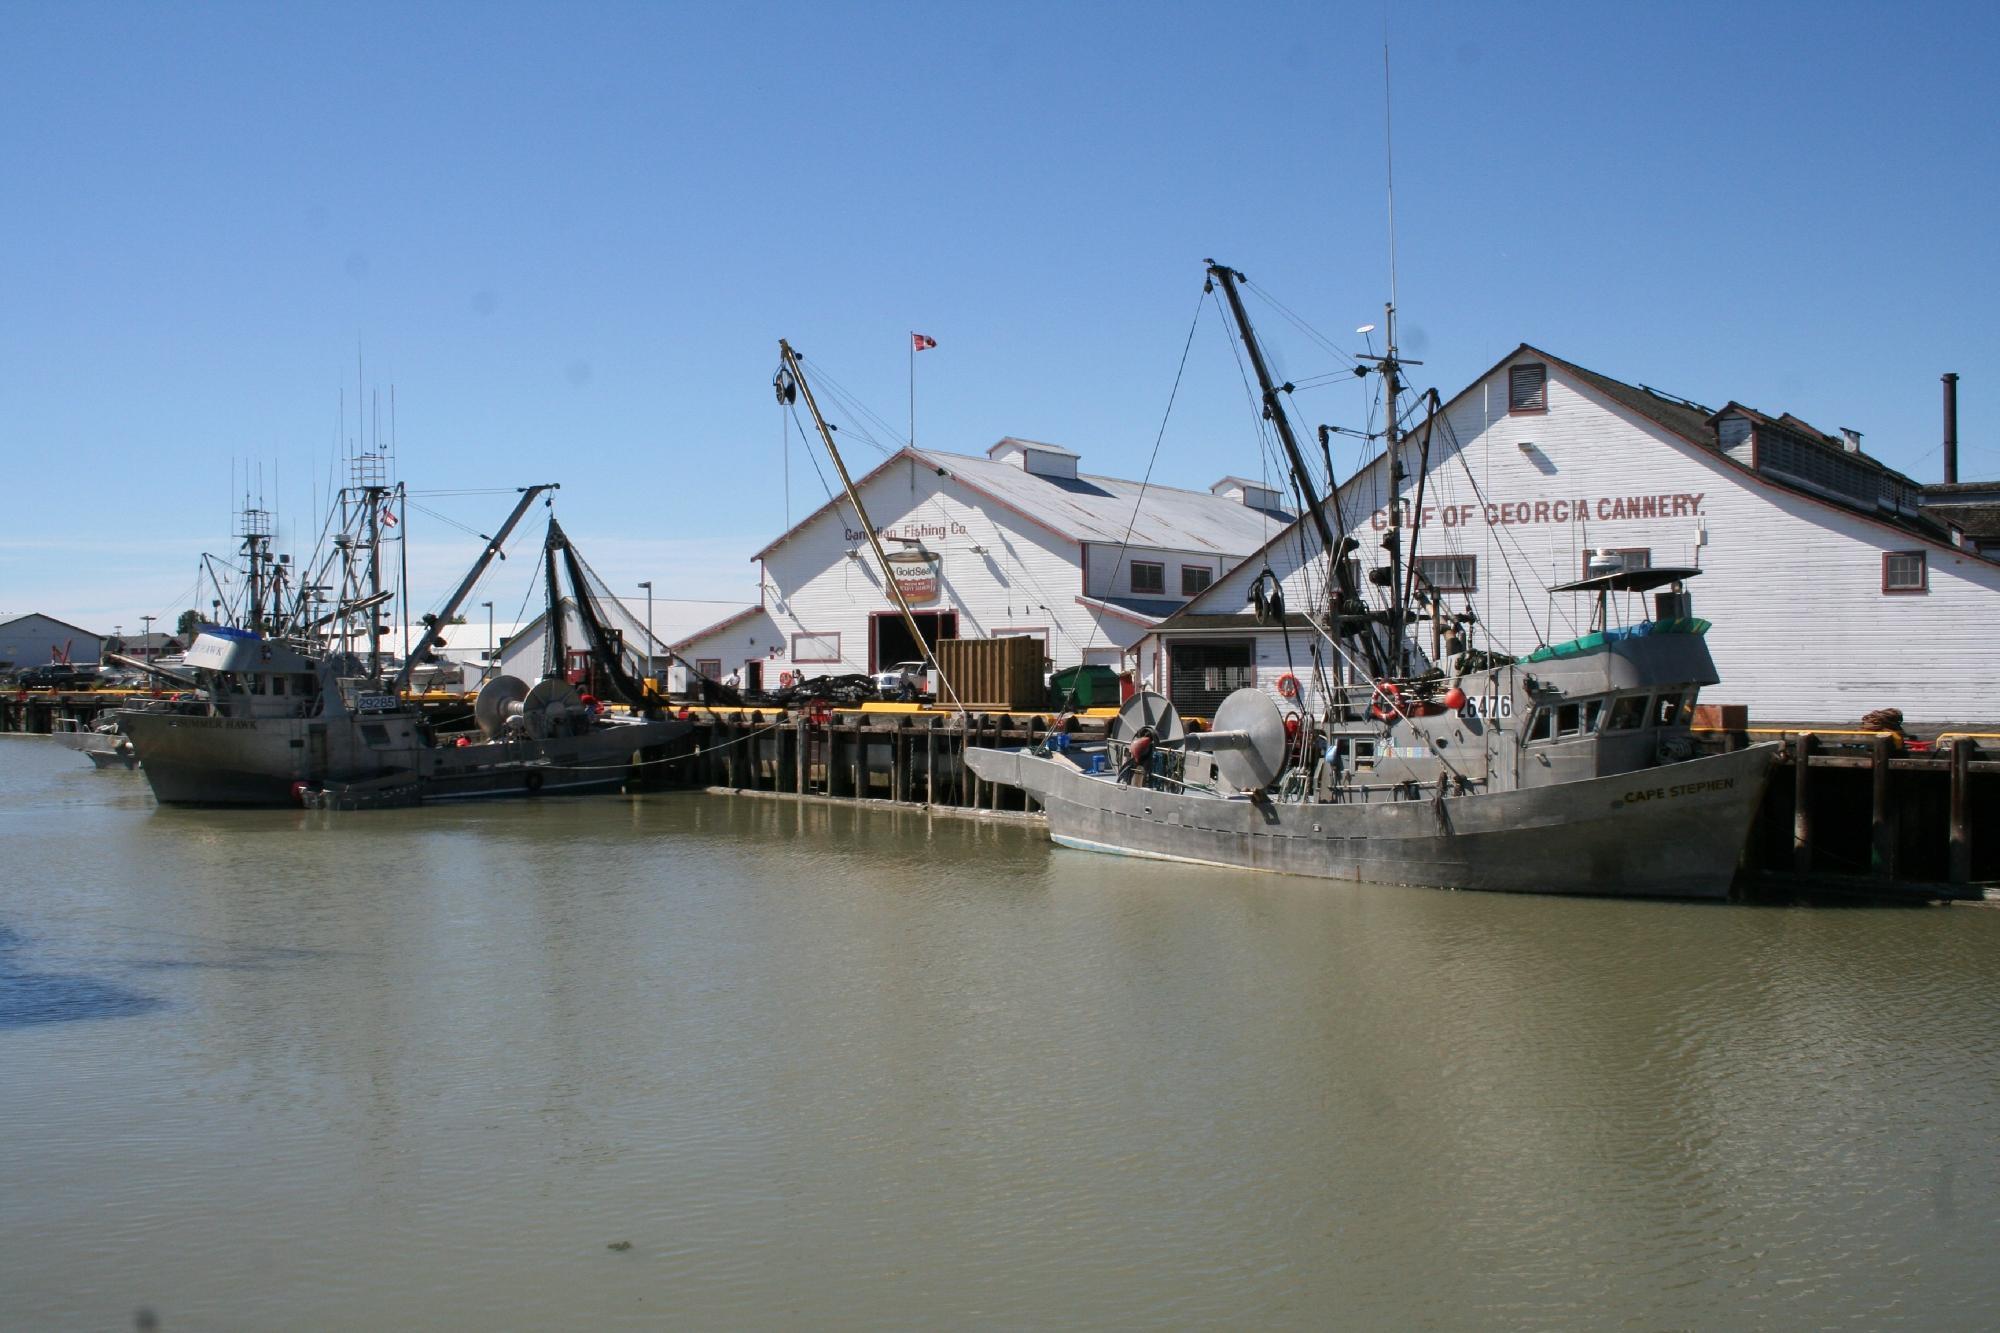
[889, 640]
[753, 675]
[1201, 675]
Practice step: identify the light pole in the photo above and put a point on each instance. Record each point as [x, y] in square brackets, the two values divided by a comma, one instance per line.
[648, 586]
[486, 674]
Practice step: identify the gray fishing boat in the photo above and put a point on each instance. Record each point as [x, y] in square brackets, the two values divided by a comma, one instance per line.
[1570, 770]
[288, 715]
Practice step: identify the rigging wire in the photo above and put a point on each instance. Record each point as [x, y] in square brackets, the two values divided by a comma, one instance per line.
[1139, 500]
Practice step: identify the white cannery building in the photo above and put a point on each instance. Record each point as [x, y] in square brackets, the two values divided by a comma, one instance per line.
[1020, 542]
[1830, 589]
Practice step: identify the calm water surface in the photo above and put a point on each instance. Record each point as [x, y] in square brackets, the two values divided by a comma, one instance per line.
[835, 1068]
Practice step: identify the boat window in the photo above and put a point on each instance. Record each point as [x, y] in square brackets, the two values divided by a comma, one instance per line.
[1569, 719]
[1538, 725]
[1593, 710]
[1667, 710]
[374, 733]
[277, 684]
[1628, 713]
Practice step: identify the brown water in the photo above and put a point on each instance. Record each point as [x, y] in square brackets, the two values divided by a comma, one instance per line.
[839, 1068]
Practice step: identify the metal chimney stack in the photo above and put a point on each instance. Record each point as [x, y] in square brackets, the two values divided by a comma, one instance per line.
[1951, 429]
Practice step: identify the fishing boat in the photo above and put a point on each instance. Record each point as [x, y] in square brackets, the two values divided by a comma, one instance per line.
[1570, 770]
[290, 714]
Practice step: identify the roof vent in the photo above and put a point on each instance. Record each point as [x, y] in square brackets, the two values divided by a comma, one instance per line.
[1043, 460]
[1250, 494]
[1850, 439]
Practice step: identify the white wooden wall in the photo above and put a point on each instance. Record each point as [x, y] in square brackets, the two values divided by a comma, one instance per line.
[1802, 629]
[1020, 577]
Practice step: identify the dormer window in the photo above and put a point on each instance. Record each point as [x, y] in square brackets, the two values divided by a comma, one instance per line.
[1149, 576]
[1528, 388]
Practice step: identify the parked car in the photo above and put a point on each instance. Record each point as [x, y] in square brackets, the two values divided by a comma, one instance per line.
[908, 681]
[57, 676]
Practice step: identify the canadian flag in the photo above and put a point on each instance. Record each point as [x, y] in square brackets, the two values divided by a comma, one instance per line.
[920, 342]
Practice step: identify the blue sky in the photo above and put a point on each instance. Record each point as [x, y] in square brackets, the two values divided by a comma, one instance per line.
[570, 237]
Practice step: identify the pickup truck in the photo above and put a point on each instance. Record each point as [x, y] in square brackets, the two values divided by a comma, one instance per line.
[57, 676]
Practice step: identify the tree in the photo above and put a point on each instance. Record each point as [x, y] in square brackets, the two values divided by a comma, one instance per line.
[188, 624]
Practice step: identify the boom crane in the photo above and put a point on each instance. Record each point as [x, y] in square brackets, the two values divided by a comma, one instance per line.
[1274, 410]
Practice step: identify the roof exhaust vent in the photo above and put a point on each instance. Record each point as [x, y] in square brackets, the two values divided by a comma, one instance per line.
[1850, 439]
[1951, 429]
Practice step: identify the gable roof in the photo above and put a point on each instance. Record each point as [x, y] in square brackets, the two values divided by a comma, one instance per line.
[1086, 507]
[720, 625]
[39, 615]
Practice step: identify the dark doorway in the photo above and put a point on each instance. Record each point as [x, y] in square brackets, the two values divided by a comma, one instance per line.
[889, 640]
[1201, 675]
[753, 677]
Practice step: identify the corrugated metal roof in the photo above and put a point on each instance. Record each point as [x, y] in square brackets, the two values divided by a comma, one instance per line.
[1091, 508]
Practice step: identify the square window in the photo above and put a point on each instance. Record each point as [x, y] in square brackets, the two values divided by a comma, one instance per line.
[814, 648]
[1194, 578]
[1449, 573]
[1622, 557]
[1628, 713]
[710, 667]
[1528, 388]
[1149, 576]
[1905, 571]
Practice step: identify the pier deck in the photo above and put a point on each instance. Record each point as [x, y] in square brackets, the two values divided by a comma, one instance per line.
[1846, 811]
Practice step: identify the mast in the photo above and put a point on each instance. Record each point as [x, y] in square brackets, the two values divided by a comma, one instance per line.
[1392, 389]
[798, 376]
[1391, 368]
[1274, 411]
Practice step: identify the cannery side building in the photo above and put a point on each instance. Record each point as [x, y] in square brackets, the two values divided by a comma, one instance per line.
[1834, 584]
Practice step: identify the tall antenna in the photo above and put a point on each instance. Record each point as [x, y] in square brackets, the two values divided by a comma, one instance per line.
[1389, 159]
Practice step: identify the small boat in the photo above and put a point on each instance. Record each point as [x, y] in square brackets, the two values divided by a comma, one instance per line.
[102, 742]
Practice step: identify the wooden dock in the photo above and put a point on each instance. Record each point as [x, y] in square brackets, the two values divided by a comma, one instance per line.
[1845, 811]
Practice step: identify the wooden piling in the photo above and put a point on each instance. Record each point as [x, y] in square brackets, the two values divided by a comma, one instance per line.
[1802, 842]
[1961, 826]
[801, 755]
[899, 761]
[1882, 819]
[930, 762]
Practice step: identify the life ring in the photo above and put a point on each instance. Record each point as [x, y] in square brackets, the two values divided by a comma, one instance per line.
[1386, 702]
[533, 782]
[784, 680]
[1288, 685]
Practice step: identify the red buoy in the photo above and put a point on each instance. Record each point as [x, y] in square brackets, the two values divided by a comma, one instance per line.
[1454, 698]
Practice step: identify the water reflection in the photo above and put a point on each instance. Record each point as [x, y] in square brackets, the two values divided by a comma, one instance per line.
[29, 997]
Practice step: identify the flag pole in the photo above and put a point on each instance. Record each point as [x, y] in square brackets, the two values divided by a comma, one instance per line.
[913, 390]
